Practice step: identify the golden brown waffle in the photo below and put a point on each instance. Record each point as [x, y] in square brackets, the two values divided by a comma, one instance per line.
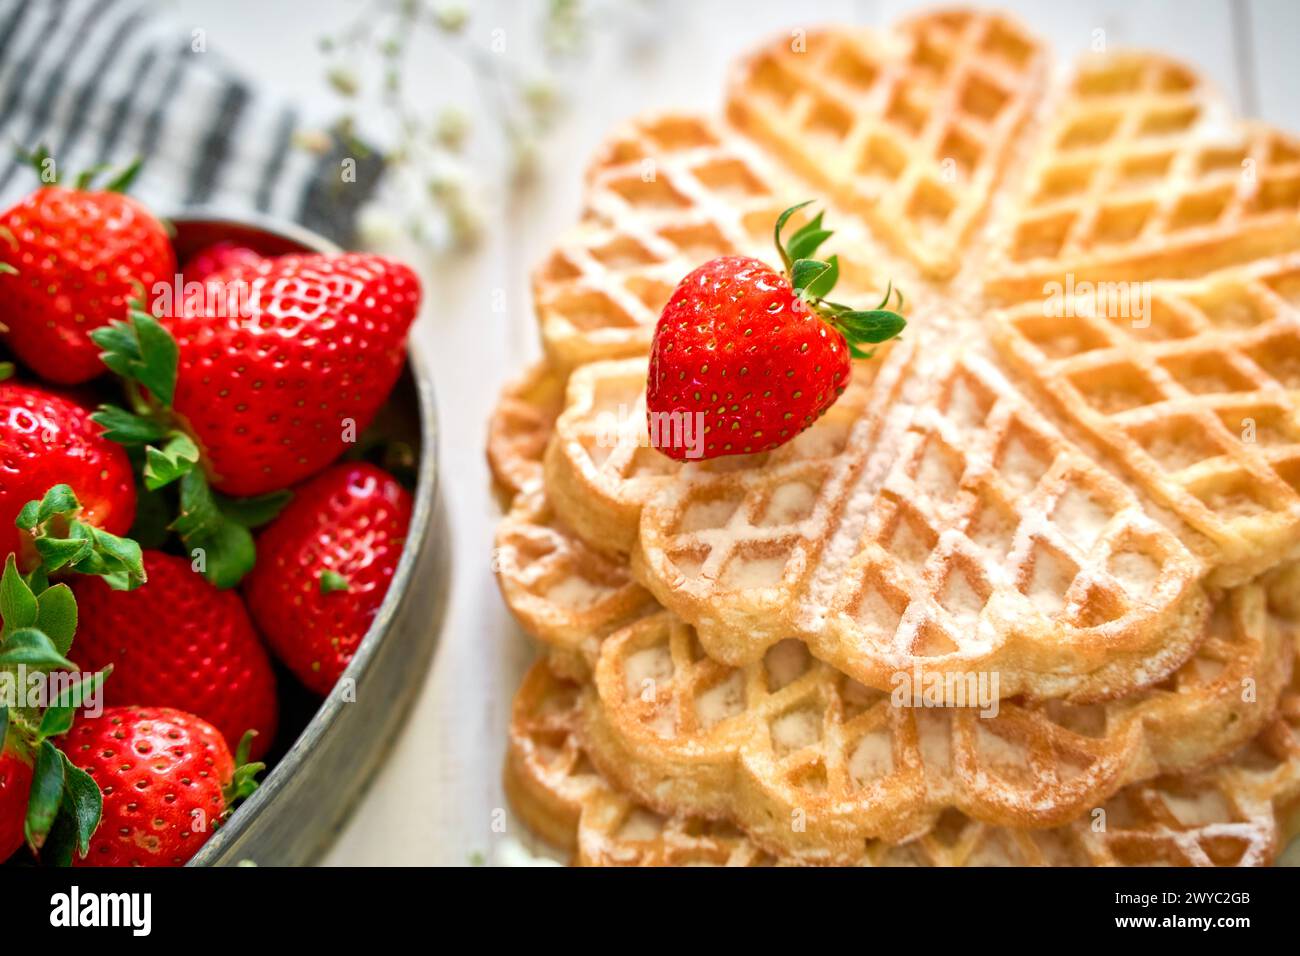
[910, 129]
[520, 427]
[666, 194]
[1226, 816]
[933, 519]
[601, 469]
[810, 763]
[1137, 178]
[679, 730]
[1198, 399]
[561, 590]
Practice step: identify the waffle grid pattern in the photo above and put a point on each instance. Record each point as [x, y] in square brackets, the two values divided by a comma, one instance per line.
[1228, 816]
[909, 130]
[1197, 400]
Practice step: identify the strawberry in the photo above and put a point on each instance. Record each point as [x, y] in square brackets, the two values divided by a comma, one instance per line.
[167, 778]
[177, 641]
[15, 785]
[44, 800]
[752, 356]
[324, 566]
[75, 257]
[263, 388]
[214, 258]
[271, 397]
[48, 439]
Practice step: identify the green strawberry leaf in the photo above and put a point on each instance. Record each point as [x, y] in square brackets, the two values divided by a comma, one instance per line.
[123, 180]
[46, 796]
[18, 605]
[7, 368]
[57, 552]
[331, 581]
[57, 616]
[822, 284]
[141, 350]
[874, 325]
[807, 271]
[226, 546]
[803, 244]
[86, 178]
[781, 220]
[126, 428]
[59, 500]
[4, 724]
[57, 718]
[33, 648]
[813, 279]
[244, 781]
[39, 159]
[80, 547]
[86, 802]
[175, 459]
[253, 512]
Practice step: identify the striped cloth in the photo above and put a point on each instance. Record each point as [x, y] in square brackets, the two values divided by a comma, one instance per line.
[105, 81]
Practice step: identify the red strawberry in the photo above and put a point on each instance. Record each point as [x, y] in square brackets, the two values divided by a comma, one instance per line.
[46, 439]
[750, 356]
[275, 395]
[15, 785]
[77, 256]
[177, 641]
[167, 778]
[324, 566]
[214, 258]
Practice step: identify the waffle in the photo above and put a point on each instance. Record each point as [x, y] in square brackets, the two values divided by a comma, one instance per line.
[911, 130]
[601, 469]
[957, 532]
[520, 427]
[1058, 524]
[562, 591]
[1199, 400]
[1226, 816]
[1138, 177]
[665, 194]
[705, 732]
[809, 762]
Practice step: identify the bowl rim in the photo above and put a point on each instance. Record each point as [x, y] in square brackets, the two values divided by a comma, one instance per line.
[422, 518]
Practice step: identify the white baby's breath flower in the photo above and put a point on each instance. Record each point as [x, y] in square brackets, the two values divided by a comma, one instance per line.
[378, 227]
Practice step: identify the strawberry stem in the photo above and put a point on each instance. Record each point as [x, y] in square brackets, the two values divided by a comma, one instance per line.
[813, 279]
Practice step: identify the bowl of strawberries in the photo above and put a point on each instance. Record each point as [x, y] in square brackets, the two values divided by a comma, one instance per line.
[220, 527]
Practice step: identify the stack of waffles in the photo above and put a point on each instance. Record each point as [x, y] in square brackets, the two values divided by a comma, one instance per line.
[1026, 593]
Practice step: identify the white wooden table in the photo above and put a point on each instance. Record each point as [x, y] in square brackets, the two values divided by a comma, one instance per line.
[436, 799]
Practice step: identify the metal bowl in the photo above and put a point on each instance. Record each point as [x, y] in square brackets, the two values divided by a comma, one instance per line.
[319, 777]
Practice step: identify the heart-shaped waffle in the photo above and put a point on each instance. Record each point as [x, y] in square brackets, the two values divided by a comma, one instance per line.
[1225, 816]
[811, 763]
[934, 519]
[670, 724]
